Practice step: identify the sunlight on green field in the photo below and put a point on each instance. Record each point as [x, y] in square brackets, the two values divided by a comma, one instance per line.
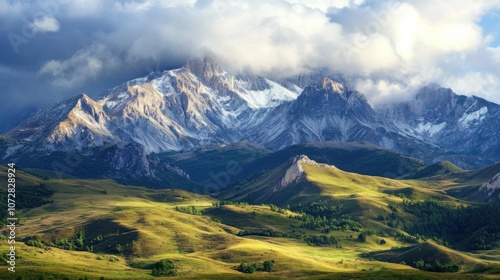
[146, 224]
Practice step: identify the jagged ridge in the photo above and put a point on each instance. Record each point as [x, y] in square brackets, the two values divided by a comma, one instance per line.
[201, 104]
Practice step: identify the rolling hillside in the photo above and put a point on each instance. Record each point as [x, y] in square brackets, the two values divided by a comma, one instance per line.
[104, 229]
[210, 165]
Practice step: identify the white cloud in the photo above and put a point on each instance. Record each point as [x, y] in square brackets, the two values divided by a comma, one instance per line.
[45, 24]
[84, 8]
[388, 49]
[84, 65]
[486, 85]
[10, 7]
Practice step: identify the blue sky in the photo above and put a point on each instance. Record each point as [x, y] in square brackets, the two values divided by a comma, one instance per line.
[490, 22]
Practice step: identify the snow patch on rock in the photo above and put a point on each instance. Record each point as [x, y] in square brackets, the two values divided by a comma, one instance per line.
[268, 98]
[469, 119]
[430, 128]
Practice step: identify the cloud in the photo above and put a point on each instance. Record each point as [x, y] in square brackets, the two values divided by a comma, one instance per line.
[84, 65]
[10, 7]
[45, 24]
[386, 49]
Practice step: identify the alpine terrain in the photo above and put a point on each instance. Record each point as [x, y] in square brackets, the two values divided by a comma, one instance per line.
[201, 104]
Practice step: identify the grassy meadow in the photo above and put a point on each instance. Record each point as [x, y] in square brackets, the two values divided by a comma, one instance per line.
[119, 232]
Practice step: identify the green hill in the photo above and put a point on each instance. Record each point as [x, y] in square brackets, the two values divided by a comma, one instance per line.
[322, 182]
[358, 157]
[428, 252]
[462, 184]
[436, 169]
[99, 228]
[221, 165]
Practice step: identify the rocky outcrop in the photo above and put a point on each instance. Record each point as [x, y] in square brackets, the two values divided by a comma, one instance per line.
[295, 172]
[492, 188]
[130, 162]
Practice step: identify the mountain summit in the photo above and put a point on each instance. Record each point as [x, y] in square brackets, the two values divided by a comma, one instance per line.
[198, 104]
[201, 104]
[454, 124]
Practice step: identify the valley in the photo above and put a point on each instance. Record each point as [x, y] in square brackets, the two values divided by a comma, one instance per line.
[322, 223]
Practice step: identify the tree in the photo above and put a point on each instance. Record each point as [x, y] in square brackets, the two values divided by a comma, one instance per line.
[164, 268]
[362, 237]
[268, 265]
[247, 268]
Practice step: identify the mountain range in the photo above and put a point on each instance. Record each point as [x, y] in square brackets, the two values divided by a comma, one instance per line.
[201, 104]
[299, 173]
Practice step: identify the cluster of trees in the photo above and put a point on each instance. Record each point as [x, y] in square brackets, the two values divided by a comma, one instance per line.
[164, 267]
[228, 202]
[367, 232]
[26, 197]
[189, 210]
[328, 224]
[33, 196]
[362, 237]
[405, 238]
[76, 242]
[316, 209]
[30, 196]
[247, 268]
[35, 243]
[436, 266]
[323, 241]
[451, 225]
[251, 268]
[278, 209]
[267, 232]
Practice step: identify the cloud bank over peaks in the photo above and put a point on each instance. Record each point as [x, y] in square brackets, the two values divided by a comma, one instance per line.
[385, 49]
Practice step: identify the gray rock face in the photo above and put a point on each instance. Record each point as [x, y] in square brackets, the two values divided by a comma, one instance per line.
[456, 125]
[325, 111]
[492, 188]
[198, 104]
[201, 104]
[295, 172]
[130, 162]
[76, 123]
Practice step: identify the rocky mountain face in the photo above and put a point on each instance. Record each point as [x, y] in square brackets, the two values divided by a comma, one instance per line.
[198, 104]
[201, 104]
[295, 171]
[325, 111]
[458, 126]
[130, 161]
[491, 189]
[76, 123]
